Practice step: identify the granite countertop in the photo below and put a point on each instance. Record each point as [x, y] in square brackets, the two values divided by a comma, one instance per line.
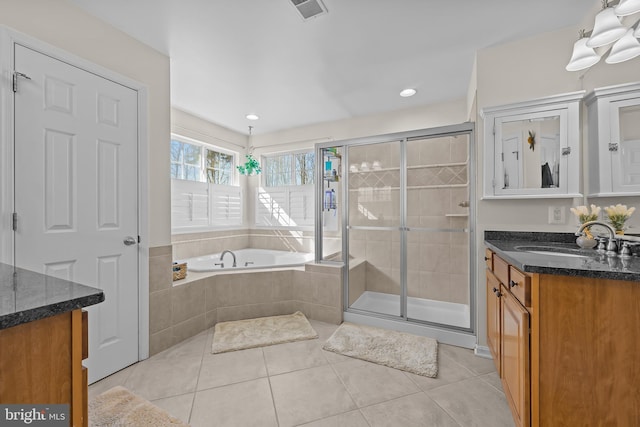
[26, 296]
[587, 263]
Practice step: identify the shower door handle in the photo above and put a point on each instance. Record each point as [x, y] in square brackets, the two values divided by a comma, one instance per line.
[128, 241]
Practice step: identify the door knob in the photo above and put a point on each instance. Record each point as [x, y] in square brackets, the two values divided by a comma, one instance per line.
[130, 241]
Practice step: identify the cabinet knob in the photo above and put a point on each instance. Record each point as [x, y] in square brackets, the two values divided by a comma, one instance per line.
[497, 292]
[513, 284]
[487, 258]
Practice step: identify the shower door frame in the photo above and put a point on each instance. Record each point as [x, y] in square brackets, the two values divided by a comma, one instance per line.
[465, 337]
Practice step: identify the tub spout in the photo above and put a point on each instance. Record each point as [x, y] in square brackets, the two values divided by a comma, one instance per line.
[232, 254]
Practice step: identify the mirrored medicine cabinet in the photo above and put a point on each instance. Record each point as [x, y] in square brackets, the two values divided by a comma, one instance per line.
[532, 149]
[614, 140]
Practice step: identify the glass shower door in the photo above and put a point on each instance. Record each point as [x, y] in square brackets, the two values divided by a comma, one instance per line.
[374, 228]
[437, 225]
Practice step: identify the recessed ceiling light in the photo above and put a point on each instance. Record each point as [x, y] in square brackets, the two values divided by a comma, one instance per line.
[252, 117]
[407, 93]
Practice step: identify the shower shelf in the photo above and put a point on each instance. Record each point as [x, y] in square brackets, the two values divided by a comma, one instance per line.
[456, 215]
[440, 165]
[414, 187]
[423, 187]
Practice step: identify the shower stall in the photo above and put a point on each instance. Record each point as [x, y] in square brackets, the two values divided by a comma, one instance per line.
[396, 210]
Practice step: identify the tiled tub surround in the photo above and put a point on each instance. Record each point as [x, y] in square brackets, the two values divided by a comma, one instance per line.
[197, 244]
[201, 300]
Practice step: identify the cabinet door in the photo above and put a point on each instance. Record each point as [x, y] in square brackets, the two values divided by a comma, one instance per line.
[493, 318]
[625, 145]
[515, 357]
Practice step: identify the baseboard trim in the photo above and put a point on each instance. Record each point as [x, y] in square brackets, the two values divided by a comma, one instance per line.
[483, 351]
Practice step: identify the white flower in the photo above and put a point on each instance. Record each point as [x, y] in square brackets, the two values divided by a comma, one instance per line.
[619, 210]
[583, 214]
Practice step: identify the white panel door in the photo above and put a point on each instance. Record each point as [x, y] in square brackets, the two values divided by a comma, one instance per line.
[511, 162]
[76, 194]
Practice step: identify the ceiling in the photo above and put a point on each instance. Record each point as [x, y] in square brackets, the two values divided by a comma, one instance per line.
[230, 58]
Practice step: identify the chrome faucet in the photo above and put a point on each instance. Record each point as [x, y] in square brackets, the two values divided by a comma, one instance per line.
[611, 245]
[232, 254]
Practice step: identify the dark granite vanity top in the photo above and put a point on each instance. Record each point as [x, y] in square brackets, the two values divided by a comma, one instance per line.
[587, 262]
[26, 296]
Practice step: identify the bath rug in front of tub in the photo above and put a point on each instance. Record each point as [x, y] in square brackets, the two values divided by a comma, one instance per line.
[407, 352]
[119, 407]
[261, 332]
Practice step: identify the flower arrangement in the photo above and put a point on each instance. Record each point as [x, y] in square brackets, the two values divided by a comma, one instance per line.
[250, 167]
[618, 215]
[532, 140]
[584, 215]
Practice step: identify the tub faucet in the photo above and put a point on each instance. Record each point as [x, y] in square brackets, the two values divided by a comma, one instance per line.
[232, 254]
[611, 245]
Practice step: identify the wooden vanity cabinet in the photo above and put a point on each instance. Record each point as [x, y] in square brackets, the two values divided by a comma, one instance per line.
[508, 336]
[41, 363]
[566, 347]
[514, 350]
[493, 319]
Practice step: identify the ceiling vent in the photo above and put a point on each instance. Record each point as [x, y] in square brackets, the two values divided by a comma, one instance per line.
[309, 8]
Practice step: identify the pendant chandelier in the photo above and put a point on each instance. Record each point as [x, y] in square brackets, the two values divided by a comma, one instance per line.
[610, 35]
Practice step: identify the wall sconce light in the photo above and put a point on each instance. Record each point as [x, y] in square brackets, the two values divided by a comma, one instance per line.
[608, 30]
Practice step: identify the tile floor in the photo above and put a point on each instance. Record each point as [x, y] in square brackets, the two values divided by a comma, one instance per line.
[300, 384]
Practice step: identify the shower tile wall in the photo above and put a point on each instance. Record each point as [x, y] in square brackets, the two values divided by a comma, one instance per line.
[437, 264]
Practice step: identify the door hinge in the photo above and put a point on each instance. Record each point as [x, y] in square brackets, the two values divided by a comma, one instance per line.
[14, 221]
[566, 151]
[613, 146]
[139, 239]
[17, 74]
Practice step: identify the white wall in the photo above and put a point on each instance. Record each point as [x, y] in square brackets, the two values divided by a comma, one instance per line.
[524, 70]
[67, 27]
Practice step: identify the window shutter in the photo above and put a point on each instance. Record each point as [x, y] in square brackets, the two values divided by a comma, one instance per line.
[189, 204]
[226, 205]
[301, 202]
[271, 207]
[284, 207]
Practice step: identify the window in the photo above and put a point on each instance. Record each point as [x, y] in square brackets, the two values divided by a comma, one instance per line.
[305, 164]
[289, 169]
[287, 198]
[194, 161]
[202, 190]
[185, 161]
[219, 167]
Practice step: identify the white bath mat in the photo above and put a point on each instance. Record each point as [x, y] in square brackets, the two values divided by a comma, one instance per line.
[407, 352]
[260, 332]
[119, 407]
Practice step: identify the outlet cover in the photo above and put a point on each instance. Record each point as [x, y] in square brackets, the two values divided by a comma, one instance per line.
[556, 215]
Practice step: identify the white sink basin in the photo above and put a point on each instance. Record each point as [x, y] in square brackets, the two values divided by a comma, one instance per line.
[552, 251]
[557, 254]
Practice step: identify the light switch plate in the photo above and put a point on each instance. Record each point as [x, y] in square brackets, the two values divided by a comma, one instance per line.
[556, 215]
